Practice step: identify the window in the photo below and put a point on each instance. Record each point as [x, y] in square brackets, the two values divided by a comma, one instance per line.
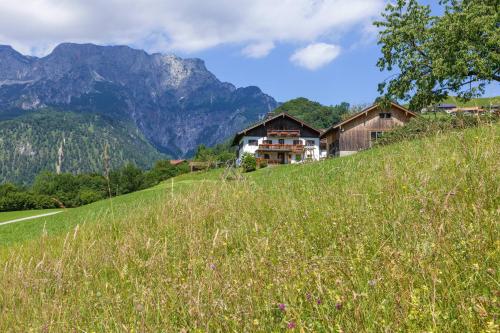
[375, 135]
[297, 142]
[385, 115]
[266, 156]
[268, 142]
[252, 142]
[281, 141]
[310, 143]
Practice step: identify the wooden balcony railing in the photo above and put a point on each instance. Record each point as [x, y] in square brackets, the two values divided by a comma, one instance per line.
[280, 147]
[283, 133]
[269, 161]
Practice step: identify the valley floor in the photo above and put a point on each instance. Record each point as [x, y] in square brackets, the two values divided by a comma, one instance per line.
[398, 238]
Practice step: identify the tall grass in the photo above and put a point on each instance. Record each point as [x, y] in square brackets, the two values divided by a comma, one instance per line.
[399, 238]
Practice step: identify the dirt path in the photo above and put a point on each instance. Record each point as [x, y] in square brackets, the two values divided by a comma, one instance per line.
[30, 218]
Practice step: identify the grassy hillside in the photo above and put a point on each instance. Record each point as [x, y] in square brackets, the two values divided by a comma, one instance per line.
[398, 238]
[32, 142]
[484, 101]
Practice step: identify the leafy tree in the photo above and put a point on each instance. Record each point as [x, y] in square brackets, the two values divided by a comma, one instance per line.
[163, 170]
[457, 52]
[128, 179]
[314, 113]
[221, 152]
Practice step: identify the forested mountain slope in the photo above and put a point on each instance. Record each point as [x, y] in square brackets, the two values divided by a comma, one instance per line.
[69, 142]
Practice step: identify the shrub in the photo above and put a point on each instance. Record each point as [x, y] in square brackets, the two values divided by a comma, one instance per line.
[248, 162]
[263, 163]
[86, 196]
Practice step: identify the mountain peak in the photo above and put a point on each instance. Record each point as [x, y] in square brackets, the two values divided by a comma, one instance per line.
[176, 103]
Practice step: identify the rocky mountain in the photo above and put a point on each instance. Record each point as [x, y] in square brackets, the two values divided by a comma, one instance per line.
[175, 103]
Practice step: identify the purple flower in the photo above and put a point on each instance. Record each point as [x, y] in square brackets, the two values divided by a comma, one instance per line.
[318, 301]
[338, 306]
[212, 266]
[291, 325]
[282, 306]
[308, 296]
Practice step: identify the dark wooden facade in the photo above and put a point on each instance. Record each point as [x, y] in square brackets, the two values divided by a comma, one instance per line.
[359, 131]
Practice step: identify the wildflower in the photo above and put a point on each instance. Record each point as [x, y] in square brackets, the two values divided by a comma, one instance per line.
[318, 301]
[291, 325]
[372, 283]
[308, 296]
[338, 306]
[282, 307]
[212, 266]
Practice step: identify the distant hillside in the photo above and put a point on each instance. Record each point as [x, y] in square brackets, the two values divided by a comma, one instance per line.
[36, 141]
[483, 101]
[314, 113]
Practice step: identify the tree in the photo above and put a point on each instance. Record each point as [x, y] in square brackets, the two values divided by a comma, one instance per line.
[128, 179]
[458, 52]
[314, 113]
[221, 152]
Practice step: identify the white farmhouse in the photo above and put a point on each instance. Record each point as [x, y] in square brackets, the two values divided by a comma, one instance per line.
[280, 139]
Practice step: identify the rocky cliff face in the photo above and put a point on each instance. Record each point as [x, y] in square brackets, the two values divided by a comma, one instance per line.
[176, 103]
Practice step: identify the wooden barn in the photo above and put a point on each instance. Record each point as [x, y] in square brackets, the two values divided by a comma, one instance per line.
[362, 129]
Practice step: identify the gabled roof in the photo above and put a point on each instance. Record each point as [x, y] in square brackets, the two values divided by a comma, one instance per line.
[368, 109]
[242, 133]
[177, 162]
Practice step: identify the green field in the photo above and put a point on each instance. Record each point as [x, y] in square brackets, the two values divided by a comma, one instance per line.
[8, 216]
[401, 238]
[483, 101]
[117, 207]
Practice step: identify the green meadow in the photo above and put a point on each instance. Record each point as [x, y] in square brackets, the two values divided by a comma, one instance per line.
[400, 238]
[481, 101]
[8, 216]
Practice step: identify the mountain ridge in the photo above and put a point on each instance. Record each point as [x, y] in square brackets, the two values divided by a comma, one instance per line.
[176, 103]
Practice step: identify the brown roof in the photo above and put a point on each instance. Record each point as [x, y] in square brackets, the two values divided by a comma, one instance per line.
[177, 162]
[238, 135]
[368, 109]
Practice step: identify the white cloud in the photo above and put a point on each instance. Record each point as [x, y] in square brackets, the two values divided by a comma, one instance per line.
[172, 25]
[258, 50]
[315, 55]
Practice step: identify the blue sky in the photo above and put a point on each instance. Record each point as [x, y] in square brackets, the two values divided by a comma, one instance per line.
[324, 50]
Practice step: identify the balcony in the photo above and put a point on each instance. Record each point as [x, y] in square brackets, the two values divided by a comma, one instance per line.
[283, 133]
[281, 147]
